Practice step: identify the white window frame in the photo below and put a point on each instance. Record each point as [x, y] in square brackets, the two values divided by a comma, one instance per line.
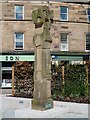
[64, 13]
[85, 43]
[88, 15]
[15, 41]
[64, 43]
[18, 12]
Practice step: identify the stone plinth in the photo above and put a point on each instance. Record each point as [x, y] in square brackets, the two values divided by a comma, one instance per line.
[42, 105]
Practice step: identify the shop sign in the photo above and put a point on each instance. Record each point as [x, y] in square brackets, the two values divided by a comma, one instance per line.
[11, 58]
[16, 57]
[68, 58]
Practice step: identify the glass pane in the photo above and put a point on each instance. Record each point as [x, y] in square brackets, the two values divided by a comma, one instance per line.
[19, 36]
[64, 42]
[6, 64]
[19, 16]
[88, 18]
[88, 11]
[19, 40]
[7, 74]
[63, 36]
[19, 9]
[88, 42]
[63, 16]
[63, 9]
[88, 47]
[87, 37]
[19, 44]
[64, 47]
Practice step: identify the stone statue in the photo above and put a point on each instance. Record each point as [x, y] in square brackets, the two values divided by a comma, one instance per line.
[42, 18]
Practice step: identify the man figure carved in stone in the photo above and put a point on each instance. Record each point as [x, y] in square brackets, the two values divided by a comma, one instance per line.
[42, 18]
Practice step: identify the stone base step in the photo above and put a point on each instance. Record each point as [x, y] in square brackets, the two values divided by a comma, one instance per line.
[8, 114]
[51, 113]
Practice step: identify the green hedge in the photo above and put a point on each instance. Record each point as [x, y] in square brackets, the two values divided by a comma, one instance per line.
[75, 82]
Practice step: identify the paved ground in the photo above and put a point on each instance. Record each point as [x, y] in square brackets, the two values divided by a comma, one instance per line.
[11, 113]
[72, 115]
[0, 105]
[6, 91]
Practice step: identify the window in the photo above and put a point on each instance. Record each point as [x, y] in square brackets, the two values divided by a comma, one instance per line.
[63, 13]
[89, 73]
[6, 74]
[19, 41]
[88, 42]
[88, 14]
[19, 12]
[64, 42]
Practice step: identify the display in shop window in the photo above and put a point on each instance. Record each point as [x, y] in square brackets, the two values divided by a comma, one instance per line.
[7, 83]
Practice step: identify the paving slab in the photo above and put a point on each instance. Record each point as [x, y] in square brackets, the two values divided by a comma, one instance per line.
[11, 107]
[51, 113]
[72, 115]
[9, 114]
[78, 108]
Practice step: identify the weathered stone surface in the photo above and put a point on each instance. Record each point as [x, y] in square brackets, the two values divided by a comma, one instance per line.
[0, 75]
[42, 40]
[76, 15]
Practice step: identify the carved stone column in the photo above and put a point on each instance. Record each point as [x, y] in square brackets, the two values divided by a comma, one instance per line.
[42, 18]
[0, 74]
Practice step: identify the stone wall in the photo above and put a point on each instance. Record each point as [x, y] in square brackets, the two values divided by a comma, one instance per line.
[9, 28]
[77, 12]
[76, 31]
[76, 27]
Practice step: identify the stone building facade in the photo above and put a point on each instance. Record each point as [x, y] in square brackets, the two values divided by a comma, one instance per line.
[70, 31]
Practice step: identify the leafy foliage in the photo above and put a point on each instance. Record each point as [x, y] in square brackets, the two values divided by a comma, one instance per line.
[75, 86]
[75, 80]
[24, 79]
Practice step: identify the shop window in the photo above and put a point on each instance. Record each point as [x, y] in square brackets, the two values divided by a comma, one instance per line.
[5, 64]
[88, 11]
[6, 74]
[88, 42]
[6, 78]
[19, 41]
[89, 73]
[64, 42]
[64, 13]
[19, 12]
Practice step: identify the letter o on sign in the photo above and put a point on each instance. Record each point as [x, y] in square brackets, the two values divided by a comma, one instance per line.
[11, 58]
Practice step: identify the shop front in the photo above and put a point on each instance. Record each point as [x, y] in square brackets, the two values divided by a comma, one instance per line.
[6, 62]
[69, 59]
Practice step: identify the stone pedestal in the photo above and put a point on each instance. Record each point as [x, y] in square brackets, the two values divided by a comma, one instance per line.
[42, 79]
[42, 105]
[42, 40]
[0, 75]
[42, 95]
